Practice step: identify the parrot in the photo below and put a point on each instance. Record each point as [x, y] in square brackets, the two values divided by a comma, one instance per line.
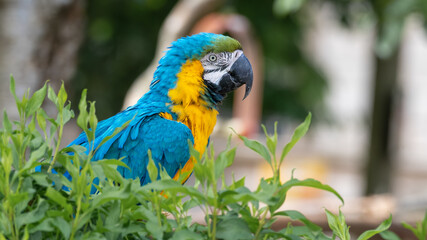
[181, 107]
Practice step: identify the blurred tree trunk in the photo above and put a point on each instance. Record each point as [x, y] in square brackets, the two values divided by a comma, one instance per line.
[38, 41]
[380, 159]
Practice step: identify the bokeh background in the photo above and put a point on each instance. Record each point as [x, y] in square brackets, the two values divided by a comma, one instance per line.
[359, 66]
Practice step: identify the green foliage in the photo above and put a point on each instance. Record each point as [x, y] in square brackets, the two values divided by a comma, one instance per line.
[338, 225]
[420, 229]
[34, 204]
[340, 229]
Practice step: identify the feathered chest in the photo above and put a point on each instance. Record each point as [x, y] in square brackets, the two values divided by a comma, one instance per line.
[189, 105]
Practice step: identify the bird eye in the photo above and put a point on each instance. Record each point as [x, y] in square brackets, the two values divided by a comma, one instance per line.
[212, 58]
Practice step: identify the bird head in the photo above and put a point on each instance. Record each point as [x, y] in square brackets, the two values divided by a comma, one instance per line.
[216, 64]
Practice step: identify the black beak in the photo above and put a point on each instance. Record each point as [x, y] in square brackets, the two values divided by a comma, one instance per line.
[240, 73]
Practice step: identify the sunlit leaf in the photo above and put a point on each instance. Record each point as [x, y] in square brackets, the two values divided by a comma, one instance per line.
[381, 228]
[257, 147]
[337, 225]
[62, 96]
[271, 140]
[311, 183]
[36, 100]
[295, 215]
[299, 132]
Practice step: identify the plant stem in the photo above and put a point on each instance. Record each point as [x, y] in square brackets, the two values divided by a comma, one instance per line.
[61, 126]
[261, 223]
[214, 219]
[75, 222]
[158, 210]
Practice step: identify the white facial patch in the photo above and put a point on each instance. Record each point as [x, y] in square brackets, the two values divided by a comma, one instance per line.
[215, 65]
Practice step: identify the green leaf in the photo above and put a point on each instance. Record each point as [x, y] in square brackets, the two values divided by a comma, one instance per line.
[299, 132]
[224, 160]
[381, 228]
[151, 167]
[185, 234]
[295, 215]
[67, 114]
[309, 182]
[82, 119]
[114, 162]
[63, 226]
[337, 225]
[45, 226]
[29, 166]
[111, 195]
[172, 185]
[116, 131]
[33, 216]
[420, 231]
[85, 218]
[189, 204]
[17, 197]
[388, 235]
[111, 173]
[13, 90]
[237, 184]
[36, 101]
[52, 95]
[26, 234]
[155, 229]
[39, 152]
[57, 197]
[41, 119]
[257, 147]
[200, 172]
[93, 120]
[41, 179]
[62, 96]
[6, 123]
[271, 140]
[233, 228]
[193, 152]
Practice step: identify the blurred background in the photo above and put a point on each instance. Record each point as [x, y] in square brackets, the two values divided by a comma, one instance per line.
[359, 66]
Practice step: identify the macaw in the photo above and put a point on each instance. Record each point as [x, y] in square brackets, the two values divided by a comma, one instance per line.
[192, 78]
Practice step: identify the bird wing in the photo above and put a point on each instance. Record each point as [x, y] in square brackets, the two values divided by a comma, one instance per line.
[167, 140]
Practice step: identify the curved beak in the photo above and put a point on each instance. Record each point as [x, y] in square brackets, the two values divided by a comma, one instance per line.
[240, 73]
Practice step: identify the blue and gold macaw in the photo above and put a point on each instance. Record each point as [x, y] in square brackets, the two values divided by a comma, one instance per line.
[192, 78]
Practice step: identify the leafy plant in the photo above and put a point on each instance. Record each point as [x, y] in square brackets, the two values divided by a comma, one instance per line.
[34, 204]
[420, 229]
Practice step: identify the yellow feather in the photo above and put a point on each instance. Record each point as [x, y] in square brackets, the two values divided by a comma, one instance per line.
[191, 109]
